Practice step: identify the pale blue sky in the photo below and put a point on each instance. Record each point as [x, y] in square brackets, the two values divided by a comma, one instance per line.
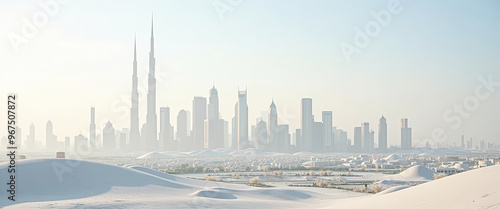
[423, 62]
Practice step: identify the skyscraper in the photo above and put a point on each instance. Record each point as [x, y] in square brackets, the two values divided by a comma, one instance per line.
[199, 116]
[182, 132]
[50, 138]
[134, 138]
[283, 138]
[151, 119]
[108, 138]
[234, 127]
[306, 127]
[357, 139]
[242, 120]
[317, 137]
[92, 133]
[365, 137]
[406, 141]
[166, 139]
[327, 118]
[215, 126]
[382, 134]
[272, 141]
[81, 144]
[262, 135]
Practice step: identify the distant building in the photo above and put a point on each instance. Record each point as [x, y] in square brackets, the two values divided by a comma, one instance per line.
[135, 135]
[92, 132]
[242, 121]
[60, 155]
[199, 116]
[382, 134]
[262, 135]
[283, 138]
[406, 141]
[307, 121]
[273, 128]
[81, 144]
[357, 139]
[185, 143]
[166, 136]
[366, 138]
[214, 137]
[343, 141]
[50, 138]
[108, 138]
[30, 139]
[151, 140]
[317, 137]
[328, 138]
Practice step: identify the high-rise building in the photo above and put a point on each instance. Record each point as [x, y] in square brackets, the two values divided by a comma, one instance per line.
[343, 142]
[306, 127]
[92, 132]
[151, 119]
[242, 120]
[185, 143]
[262, 135]
[317, 137]
[382, 134]
[283, 138]
[108, 136]
[215, 125]
[365, 137]
[50, 138]
[298, 139]
[30, 139]
[234, 128]
[166, 139]
[357, 139]
[135, 135]
[199, 116]
[327, 118]
[272, 141]
[81, 144]
[406, 141]
[372, 141]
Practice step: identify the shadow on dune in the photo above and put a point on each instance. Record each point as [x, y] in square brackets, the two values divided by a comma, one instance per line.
[63, 179]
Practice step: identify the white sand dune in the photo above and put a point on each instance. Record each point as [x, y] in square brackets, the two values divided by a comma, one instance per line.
[414, 173]
[63, 183]
[472, 189]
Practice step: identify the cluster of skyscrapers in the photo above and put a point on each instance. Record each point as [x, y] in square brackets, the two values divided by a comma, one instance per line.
[210, 131]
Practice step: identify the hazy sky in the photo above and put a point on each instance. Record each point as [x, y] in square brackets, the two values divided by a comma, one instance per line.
[426, 59]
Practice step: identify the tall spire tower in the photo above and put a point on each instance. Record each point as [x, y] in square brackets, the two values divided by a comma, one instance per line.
[134, 140]
[151, 114]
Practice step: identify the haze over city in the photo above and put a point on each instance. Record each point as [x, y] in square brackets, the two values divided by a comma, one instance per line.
[250, 104]
[80, 60]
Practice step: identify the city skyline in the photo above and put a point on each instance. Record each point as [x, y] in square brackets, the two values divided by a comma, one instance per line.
[178, 86]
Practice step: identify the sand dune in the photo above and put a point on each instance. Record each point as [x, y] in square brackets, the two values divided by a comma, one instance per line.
[472, 189]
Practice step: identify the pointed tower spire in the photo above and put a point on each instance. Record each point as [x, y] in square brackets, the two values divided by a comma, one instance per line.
[151, 24]
[135, 48]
